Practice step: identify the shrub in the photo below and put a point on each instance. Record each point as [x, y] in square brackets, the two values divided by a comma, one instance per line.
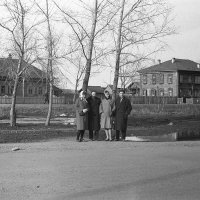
[4, 112]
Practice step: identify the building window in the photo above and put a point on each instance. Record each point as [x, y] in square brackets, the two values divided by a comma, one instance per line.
[170, 92]
[11, 89]
[181, 78]
[197, 79]
[40, 90]
[3, 89]
[170, 78]
[161, 92]
[144, 92]
[30, 90]
[197, 93]
[161, 78]
[154, 79]
[144, 79]
[153, 92]
[186, 78]
[2, 78]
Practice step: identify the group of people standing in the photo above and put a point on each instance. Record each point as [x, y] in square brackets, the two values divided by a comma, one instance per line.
[94, 114]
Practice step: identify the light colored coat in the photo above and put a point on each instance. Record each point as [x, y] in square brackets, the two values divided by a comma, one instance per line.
[105, 110]
[81, 118]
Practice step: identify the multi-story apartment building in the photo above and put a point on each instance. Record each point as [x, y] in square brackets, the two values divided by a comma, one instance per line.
[176, 77]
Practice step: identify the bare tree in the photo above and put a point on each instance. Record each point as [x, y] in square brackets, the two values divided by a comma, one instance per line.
[78, 69]
[141, 26]
[20, 24]
[51, 43]
[88, 29]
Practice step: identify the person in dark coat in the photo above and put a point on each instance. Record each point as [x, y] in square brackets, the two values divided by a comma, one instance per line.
[94, 116]
[82, 108]
[122, 110]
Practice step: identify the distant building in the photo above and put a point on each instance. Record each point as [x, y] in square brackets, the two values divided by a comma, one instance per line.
[109, 88]
[176, 77]
[32, 82]
[133, 89]
[69, 95]
[98, 89]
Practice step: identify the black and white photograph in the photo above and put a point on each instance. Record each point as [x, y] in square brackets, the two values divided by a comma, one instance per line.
[99, 100]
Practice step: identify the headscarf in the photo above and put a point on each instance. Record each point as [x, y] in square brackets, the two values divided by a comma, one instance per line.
[106, 92]
[81, 95]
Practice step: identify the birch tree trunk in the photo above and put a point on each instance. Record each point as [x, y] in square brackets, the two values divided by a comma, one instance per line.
[47, 123]
[118, 52]
[13, 104]
[91, 45]
[19, 26]
[50, 65]
[75, 92]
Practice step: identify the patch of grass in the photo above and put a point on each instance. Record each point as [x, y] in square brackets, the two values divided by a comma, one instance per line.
[41, 110]
[166, 109]
[36, 127]
[144, 110]
[33, 133]
[4, 113]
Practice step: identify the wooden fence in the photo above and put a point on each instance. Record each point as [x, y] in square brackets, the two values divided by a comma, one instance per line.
[153, 100]
[134, 100]
[35, 100]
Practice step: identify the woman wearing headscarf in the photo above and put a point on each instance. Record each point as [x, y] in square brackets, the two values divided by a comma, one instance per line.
[82, 108]
[106, 108]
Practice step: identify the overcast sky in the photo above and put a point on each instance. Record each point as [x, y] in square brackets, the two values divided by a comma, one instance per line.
[184, 45]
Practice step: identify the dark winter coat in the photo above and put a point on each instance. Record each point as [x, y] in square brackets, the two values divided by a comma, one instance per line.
[81, 118]
[93, 114]
[122, 110]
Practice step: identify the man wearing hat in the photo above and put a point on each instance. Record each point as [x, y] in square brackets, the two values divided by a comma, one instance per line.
[122, 110]
[82, 108]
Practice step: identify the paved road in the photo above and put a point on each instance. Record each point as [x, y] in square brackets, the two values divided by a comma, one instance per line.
[64, 169]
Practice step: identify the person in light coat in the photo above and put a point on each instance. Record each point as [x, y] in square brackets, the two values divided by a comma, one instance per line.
[106, 108]
[82, 108]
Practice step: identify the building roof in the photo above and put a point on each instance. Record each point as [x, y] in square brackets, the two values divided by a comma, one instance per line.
[111, 87]
[172, 66]
[97, 89]
[134, 85]
[10, 64]
[68, 91]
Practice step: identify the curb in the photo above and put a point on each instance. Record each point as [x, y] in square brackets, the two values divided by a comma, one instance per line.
[188, 134]
[172, 137]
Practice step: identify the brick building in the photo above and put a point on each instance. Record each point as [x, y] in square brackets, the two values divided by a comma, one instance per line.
[176, 77]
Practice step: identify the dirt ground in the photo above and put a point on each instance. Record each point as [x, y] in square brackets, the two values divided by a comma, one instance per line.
[31, 129]
[65, 170]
